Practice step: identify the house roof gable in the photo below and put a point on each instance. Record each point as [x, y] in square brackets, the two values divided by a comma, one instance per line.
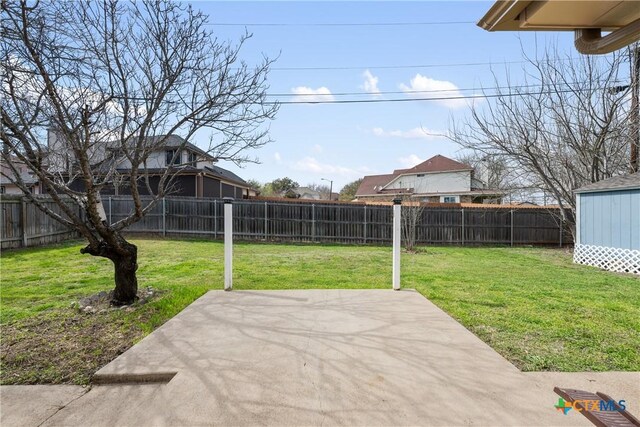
[622, 182]
[371, 184]
[374, 184]
[437, 163]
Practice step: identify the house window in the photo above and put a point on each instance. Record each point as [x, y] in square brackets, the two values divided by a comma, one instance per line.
[170, 158]
[420, 175]
[2, 189]
[193, 158]
[449, 199]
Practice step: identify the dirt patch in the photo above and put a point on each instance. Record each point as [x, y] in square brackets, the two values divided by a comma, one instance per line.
[62, 349]
[68, 346]
[101, 302]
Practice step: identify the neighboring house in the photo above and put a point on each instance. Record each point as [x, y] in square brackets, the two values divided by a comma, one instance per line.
[608, 224]
[196, 172]
[8, 177]
[308, 194]
[437, 180]
[304, 193]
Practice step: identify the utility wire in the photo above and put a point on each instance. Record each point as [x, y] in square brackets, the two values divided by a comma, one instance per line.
[443, 98]
[389, 67]
[336, 24]
[409, 92]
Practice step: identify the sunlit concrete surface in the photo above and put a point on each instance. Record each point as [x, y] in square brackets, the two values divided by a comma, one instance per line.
[322, 357]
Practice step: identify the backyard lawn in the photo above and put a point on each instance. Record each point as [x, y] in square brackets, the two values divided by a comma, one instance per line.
[532, 305]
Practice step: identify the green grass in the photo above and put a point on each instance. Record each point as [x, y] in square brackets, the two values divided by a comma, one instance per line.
[533, 306]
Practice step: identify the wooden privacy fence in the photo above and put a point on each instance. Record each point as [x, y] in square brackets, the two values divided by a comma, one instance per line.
[25, 225]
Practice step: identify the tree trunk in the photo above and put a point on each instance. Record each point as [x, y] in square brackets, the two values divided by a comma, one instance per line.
[125, 262]
[126, 291]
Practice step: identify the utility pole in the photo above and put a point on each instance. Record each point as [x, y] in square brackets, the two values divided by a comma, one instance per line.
[330, 187]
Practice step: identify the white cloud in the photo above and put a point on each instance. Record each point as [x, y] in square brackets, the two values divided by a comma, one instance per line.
[370, 83]
[317, 148]
[410, 161]
[415, 133]
[444, 89]
[307, 94]
[277, 157]
[311, 164]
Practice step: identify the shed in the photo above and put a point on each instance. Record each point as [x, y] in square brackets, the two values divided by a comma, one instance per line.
[608, 224]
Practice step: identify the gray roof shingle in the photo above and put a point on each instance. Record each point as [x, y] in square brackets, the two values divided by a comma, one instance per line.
[223, 173]
[622, 182]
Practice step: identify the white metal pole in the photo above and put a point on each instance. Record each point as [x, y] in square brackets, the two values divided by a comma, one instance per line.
[228, 243]
[396, 243]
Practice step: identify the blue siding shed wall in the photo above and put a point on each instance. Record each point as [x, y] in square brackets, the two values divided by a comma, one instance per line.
[610, 218]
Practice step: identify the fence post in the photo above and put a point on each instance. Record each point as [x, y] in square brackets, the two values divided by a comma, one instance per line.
[397, 212]
[462, 226]
[164, 216]
[266, 220]
[511, 227]
[365, 224]
[561, 230]
[313, 222]
[110, 220]
[215, 219]
[228, 243]
[23, 222]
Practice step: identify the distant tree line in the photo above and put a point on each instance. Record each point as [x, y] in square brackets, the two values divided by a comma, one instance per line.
[283, 187]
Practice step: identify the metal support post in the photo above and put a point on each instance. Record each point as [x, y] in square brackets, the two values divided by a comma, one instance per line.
[561, 230]
[228, 243]
[397, 212]
[164, 215]
[365, 224]
[462, 226]
[511, 227]
[313, 222]
[266, 220]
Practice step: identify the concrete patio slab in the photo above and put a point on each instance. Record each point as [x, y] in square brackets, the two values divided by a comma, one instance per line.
[316, 357]
[31, 405]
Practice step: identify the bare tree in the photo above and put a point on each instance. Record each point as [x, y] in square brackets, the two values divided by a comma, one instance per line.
[564, 127]
[491, 170]
[114, 81]
[323, 189]
[410, 219]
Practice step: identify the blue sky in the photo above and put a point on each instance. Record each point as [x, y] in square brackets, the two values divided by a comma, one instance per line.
[344, 142]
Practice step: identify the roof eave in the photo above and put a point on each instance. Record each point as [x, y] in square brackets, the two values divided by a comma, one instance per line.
[602, 190]
[500, 11]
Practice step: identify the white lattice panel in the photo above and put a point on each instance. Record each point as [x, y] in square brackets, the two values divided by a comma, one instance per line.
[612, 259]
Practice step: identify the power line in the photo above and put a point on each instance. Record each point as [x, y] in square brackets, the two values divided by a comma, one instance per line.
[493, 88]
[337, 24]
[388, 67]
[409, 92]
[444, 98]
